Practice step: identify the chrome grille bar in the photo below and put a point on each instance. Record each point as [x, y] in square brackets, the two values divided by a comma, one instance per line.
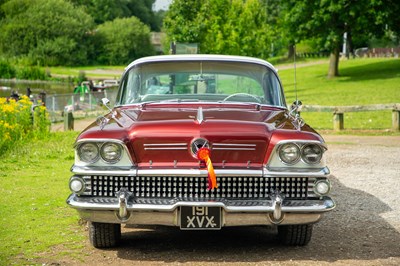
[194, 187]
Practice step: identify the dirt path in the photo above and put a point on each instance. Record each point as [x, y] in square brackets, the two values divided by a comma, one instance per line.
[364, 229]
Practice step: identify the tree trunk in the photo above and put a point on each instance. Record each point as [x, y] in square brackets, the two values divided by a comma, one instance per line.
[290, 50]
[334, 63]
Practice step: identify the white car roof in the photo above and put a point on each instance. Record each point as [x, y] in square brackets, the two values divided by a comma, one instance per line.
[200, 57]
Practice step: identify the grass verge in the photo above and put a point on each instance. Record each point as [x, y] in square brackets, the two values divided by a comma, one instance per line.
[34, 186]
[361, 82]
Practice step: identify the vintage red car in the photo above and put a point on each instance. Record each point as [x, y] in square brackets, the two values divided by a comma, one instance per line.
[200, 142]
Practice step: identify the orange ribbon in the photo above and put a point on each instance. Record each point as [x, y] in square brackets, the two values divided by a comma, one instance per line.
[204, 155]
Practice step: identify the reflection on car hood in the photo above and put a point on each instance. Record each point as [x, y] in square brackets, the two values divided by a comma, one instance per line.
[162, 135]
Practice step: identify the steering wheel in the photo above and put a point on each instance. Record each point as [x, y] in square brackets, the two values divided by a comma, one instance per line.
[241, 94]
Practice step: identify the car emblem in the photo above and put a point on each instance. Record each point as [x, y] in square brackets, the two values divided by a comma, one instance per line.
[197, 144]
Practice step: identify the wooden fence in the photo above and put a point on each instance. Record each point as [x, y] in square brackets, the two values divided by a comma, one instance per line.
[338, 112]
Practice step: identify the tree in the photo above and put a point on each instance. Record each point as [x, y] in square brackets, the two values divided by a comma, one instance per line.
[123, 40]
[221, 26]
[46, 32]
[108, 10]
[181, 21]
[327, 21]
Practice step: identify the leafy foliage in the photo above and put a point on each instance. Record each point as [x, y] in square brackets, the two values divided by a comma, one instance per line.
[20, 121]
[224, 27]
[31, 73]
[327, 21]
[7, 71]
[112, 9]
[46, 31]
[123, 40]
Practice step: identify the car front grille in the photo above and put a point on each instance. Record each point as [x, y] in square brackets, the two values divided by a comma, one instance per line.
[191, 188]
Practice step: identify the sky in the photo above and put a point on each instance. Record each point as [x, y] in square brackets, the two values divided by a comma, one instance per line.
[161, 4]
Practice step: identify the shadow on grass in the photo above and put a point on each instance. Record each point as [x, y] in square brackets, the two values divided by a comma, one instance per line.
[369, 71]
[353, 231]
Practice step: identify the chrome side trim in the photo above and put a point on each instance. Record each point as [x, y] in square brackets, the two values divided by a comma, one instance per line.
[234, 146]
[118, 171]
[165, 146]
[299, 172]
[198, 172]
[161, 172]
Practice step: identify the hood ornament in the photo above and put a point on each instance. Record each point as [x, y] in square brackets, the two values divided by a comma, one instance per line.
[102, 121]
[295, 110]
[200, 115]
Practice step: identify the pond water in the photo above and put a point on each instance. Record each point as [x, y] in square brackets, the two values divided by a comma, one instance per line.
[8, 86]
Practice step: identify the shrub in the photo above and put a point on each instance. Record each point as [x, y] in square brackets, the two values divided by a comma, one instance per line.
[7, 71]
[19, 123]
[31, 73]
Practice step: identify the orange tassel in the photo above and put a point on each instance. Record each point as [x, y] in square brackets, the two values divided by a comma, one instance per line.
[204, 155]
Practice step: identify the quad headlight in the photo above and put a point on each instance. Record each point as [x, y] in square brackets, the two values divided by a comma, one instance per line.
[88, 152]
[93, 152]
[289, 153]
[311, 153]
[111, 152]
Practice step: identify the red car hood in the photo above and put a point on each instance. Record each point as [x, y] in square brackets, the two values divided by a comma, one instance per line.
[162, 135]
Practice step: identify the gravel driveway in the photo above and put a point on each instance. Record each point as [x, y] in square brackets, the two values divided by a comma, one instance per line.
[364, 229]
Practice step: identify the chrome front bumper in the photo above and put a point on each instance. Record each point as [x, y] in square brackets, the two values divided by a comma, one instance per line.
[123, 209]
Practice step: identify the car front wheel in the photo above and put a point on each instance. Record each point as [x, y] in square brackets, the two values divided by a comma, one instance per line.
[295, 235]
[103, 235]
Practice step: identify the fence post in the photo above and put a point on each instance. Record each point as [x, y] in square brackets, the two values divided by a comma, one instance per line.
[338, 121]
[396, 120]
[68, 121]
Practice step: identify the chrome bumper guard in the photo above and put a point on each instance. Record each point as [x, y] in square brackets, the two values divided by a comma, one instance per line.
[125, 209]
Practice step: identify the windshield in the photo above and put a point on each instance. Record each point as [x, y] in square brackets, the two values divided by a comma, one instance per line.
[200, 81]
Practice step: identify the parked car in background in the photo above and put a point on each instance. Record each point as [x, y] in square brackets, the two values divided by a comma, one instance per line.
[200, 142]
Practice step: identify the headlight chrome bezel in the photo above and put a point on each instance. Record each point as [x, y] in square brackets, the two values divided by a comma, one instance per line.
[117, 151]
[318, 153]
[286, 149]
[120, 158]
[82, 154]
[306, 151]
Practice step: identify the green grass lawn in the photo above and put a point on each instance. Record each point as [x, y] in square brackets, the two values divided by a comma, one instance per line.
[361, 82]
[34, 217]
[92, 72]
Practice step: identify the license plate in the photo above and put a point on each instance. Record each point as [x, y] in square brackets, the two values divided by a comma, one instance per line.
[200, 218]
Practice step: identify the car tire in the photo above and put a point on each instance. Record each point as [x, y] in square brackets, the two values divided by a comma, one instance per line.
[295, 235]
[103, 235]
